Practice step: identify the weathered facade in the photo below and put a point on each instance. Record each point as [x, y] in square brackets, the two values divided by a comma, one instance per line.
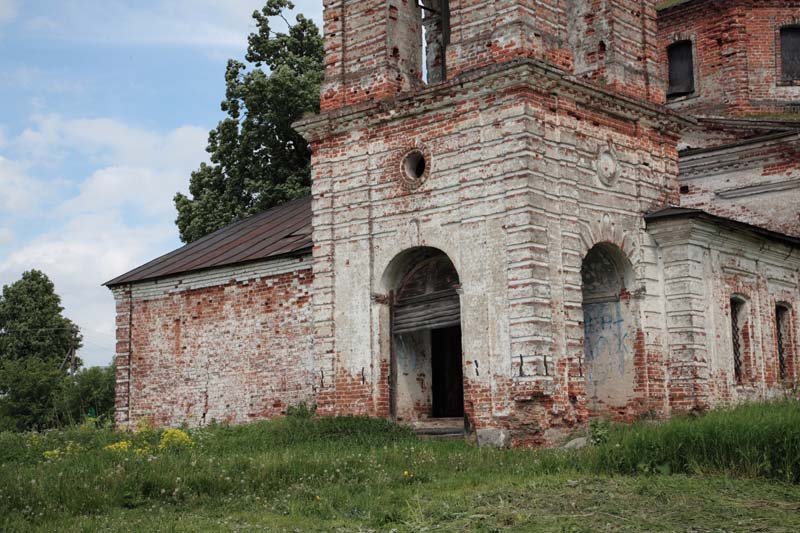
[494, 238]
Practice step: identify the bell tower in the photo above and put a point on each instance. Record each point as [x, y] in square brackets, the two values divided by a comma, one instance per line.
[505, 140]
[379, 49]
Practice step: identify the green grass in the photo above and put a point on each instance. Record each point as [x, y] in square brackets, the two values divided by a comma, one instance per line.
[726, 471]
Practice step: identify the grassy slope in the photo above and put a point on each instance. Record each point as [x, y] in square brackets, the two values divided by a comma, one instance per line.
[329, 474]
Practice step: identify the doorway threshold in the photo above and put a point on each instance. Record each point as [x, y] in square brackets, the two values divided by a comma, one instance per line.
[439, 428]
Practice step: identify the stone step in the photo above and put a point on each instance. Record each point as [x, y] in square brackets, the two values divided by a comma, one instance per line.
[439, 428]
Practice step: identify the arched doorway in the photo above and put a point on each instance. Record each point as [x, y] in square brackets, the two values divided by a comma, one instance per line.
[609, 324]
[426, 377]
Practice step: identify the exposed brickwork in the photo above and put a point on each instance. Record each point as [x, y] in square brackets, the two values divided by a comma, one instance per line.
[545, 141]
[513, 171]
[757, 182]
[737, 55]
[706, 266]
[373, 47]
[225, 345]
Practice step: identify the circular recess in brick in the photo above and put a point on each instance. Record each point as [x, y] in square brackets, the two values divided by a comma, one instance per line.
[607, 165]
[414, 167]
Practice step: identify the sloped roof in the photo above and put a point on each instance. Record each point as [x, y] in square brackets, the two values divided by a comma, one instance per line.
[686, 212]
[279, 231]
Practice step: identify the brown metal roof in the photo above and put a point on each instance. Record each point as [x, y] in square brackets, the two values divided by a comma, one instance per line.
[282, 230]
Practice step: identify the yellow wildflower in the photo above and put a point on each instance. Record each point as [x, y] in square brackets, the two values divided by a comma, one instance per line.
[73, 448]
[144, 451]
[174, 439]
[119, 447]
[53, 455]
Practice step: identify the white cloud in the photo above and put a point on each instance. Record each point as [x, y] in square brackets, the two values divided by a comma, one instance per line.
[118, 217]
[111, 142]
[35, 79]
[6, 236]
[78, 257]
[8, 10]
[200, 23]
[21, 193]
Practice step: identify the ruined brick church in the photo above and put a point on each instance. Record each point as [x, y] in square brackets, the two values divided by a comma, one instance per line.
[525, 213]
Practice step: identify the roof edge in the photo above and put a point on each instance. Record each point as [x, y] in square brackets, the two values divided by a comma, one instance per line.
[689, 213]
[296, 253]
[220, 239]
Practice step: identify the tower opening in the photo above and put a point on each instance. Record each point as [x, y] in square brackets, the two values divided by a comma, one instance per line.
[435, 39]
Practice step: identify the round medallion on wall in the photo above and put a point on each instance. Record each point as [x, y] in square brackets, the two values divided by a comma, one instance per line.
[415, 167]
[607, 165]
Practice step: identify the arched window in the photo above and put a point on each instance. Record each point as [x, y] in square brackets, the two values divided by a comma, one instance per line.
[681, 69]
[790, 53]
[738, 335]
[783, 339]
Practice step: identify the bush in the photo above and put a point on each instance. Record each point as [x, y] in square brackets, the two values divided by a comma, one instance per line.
[88, 394]
[26, 394]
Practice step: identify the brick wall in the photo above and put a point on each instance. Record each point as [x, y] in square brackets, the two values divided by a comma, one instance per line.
[374, 47]
[707, 264]
[230, 344]
[515, 197]
[737, 55]
[756, 182]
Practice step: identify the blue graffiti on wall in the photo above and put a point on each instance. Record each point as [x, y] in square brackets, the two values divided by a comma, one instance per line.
[604, 332]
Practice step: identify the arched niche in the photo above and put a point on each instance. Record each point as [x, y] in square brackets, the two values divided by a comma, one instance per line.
[610, 328]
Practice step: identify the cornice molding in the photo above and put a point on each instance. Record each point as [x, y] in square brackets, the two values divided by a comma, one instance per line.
[533, 74]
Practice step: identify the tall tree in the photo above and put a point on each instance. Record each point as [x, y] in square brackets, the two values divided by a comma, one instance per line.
[37, 350]
[257, 159]
[31, 322]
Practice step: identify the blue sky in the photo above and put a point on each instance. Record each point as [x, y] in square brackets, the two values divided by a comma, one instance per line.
[105, 108]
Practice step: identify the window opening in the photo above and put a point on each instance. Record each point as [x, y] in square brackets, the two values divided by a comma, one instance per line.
[681, 69]
[435, 38]
[790, 53]
[737, 308]
[782, 323]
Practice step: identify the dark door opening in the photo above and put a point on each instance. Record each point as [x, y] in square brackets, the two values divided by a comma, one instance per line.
[448, 376]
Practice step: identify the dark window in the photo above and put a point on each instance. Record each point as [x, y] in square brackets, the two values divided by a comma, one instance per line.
[790, 53]
[436, 39]
[737, 316]
[681, 69]
[782, 326]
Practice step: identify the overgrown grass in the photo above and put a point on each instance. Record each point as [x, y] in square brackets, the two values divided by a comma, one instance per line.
[326, 473]
[754, 440]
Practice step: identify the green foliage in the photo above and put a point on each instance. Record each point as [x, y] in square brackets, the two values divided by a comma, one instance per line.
[40, 387]
[31, 323]
[89, 393]
[753, 440]
[27, 388]
[257, 159]
[349, 473]
[302, 410]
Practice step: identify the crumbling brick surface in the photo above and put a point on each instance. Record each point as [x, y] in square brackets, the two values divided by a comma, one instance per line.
[706, 265]
[515, 198]
[757, 182]
[544, 141]
[226, 345]
[737, 55]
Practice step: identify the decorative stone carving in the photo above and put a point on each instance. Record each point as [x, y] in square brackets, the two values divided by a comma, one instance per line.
[608, 165]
